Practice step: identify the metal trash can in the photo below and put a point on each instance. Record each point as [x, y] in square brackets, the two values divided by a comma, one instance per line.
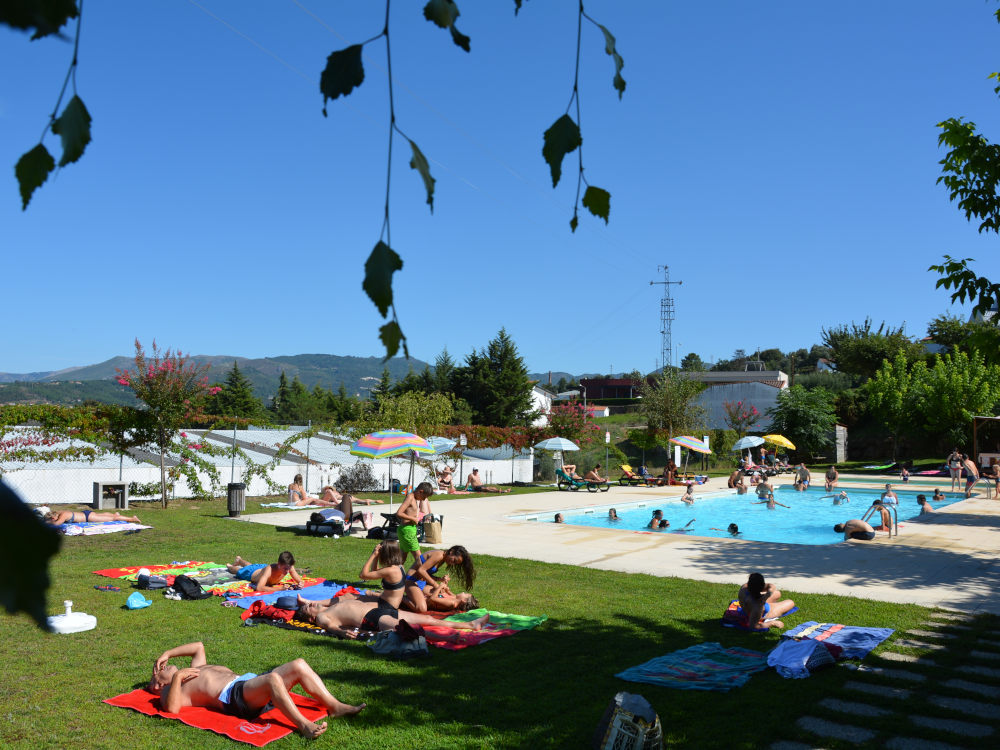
[236, 498]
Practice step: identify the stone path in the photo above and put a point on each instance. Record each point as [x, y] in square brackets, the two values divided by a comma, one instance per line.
[949, 702]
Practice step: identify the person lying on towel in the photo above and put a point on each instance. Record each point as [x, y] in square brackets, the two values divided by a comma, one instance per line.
[760, 600]
[245, 696]
[266, 578]
[346, 614]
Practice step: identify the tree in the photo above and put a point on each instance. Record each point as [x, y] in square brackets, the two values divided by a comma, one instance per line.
[494, 382]
[236, 398]
[859, 349]
[959, 386]
[569, 420]
[692, 362]
[668, 403]
[444, 371]
[173, 390]
[280, 400]
[740, 417]
[806, 417]
[894, 395]
[955, 334]
[383, 389]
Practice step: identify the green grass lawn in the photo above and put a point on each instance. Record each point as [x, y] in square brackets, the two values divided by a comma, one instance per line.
[542, 688]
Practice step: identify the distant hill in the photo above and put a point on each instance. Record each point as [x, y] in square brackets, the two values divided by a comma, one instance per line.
[543, 377]
[76, 384]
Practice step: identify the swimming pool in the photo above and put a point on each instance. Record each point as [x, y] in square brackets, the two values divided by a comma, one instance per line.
[809, 519]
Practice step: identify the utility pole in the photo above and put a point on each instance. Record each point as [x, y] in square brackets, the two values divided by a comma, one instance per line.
[666, 316]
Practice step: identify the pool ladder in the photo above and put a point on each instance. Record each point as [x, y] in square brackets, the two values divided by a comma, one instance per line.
[892, 510]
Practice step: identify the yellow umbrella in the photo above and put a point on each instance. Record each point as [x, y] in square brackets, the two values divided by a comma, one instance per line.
[780, 440]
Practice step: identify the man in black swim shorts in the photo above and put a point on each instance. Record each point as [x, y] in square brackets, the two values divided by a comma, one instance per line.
[855, 529]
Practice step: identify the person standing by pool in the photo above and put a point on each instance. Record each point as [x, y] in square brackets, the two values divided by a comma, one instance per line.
[889, 496]
[831, 478]
[954, 462]
[885, 515]
[971, 474]
[759, 600]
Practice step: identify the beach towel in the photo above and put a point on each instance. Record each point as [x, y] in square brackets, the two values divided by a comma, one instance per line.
[289, 506]
[795, 659]
[706, 666]
[270, 725]
[91, 529]
[316, 591]
[880, 467]
[733, 618]
[855, 641]
[931, 473]
[131, 572]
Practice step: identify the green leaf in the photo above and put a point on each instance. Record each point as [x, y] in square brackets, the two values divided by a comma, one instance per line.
[32, 170]
[443, 13]
[517, 6]
[560, 139]
[379, 268]
[598, 201]
[32, 544]
[45, 16]
[419, 163]
[343, 73]
[391, 335]
[460, 39]
[73, 126]
[609, 47]
[573, 222]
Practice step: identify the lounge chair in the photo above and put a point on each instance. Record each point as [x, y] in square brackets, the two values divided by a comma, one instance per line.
[334, 525]
[630, 479]
[565, 482]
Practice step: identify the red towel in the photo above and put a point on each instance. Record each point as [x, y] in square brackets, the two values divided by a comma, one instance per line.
[270, 725]
[455, 640]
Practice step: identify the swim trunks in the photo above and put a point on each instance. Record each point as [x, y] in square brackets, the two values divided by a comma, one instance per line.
[863, 535]
[408, 539]
[371, 618]
[246, 572]
[233, 702]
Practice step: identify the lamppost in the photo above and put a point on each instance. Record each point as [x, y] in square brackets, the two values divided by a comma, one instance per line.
[584, 389]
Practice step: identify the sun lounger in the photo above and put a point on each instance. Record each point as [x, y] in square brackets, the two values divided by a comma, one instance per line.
[566, 482]
[630, 479]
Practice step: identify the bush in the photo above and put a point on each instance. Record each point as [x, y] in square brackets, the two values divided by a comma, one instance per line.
[357, 478]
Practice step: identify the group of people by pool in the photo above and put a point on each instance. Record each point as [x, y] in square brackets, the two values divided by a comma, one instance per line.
[407, 595]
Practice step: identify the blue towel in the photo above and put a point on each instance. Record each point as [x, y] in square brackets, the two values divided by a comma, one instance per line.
[855, 641]
[325, 590]
[707, 666]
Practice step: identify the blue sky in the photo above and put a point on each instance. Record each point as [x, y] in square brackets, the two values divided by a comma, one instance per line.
[780, 157]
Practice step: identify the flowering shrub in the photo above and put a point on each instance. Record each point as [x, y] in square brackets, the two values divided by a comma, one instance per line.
[739, 417]
[173, 390]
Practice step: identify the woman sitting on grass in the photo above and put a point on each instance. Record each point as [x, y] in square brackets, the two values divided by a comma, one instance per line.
[759, 601]
[421, 576]
[390, 571]
[59, 517]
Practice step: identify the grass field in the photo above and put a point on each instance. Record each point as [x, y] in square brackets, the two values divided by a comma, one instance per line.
[542, 688]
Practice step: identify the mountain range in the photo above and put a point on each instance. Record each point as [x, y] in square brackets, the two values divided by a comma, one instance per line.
[98, 382]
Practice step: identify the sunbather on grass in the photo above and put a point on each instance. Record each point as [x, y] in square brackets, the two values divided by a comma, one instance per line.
[346, 615]
[58, 517]
[297, 495]
[421, 576]
[759, 600]
[390, 571]
[439, 598]
[245, 696]
[475, 482]
[267, 578]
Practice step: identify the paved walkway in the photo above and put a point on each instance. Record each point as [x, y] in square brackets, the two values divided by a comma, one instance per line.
[948, 560]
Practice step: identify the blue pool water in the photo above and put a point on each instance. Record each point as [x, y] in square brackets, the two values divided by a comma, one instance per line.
[809, 519]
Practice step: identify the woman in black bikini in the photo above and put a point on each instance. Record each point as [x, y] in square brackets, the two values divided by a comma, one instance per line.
[390, 572]
[58, 517]
[420, 577]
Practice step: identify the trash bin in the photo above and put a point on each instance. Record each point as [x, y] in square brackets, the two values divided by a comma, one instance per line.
[236, 497]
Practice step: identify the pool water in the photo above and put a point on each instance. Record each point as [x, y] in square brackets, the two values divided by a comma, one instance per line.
[809, 519]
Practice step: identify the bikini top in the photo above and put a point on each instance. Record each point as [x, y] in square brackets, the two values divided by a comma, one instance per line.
[395, 586]
[415, 577]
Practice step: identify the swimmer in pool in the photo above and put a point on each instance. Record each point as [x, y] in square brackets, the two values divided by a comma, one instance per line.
[613, 515]
[838, 498]
[654, 522]
[770, 503]
[733, 529]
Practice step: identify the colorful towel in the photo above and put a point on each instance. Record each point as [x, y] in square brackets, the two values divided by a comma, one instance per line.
[213, 577]
[90, 529]
[856, 642]
[500, 619]
[317, 590]
[733, 618]
[132, 572]
[707, 666]
[270, 725]
[289, 506]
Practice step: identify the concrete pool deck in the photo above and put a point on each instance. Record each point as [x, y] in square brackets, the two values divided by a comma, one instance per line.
[947, 559]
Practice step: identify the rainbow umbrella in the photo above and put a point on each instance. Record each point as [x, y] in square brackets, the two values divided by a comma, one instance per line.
[389, 443]
[692, 444]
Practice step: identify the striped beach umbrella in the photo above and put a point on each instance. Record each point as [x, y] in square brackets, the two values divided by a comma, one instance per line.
[389, 443]
[692, 444]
